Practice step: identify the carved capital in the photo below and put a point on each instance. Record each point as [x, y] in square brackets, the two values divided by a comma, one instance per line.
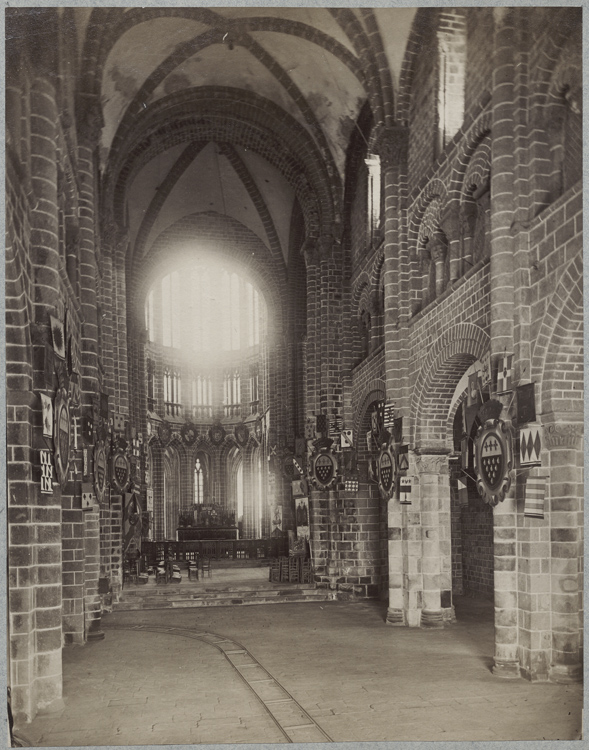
[310, 251]
[468, 218]
[114, 236]
[450, 223]
[90, 124]
[437, 247]
[391, 144]
[564, 435]
[431, 464]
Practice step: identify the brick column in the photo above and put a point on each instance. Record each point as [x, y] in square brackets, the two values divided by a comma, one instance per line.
[501, 329]
[436, 562]
[35, 527]
[92, 603]
[91, 122]
[391, 145]
[563, 438]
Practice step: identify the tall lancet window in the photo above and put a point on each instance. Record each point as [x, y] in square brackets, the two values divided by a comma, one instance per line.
[198, 483]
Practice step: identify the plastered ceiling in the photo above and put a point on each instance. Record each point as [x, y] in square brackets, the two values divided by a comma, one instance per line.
[299, 59]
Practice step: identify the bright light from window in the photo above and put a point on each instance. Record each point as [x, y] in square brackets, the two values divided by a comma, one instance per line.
[205, 308]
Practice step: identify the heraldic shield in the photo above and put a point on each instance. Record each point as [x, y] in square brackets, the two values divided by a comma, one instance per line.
[62, 436]
[387, 471]
[324, 469]
[493, 460]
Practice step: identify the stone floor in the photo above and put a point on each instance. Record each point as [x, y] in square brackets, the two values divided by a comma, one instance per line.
[297, 672]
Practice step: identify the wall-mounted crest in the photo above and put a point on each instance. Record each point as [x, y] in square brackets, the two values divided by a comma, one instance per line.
[120, 470]
[387, 471]
[62, 436]
[493, 460]
[323, 469]
[188, 433]
[100, 470]
[217, 434]
[165, 433]
[242, 434]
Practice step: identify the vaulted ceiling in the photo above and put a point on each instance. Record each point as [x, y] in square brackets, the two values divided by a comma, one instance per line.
[238, 111]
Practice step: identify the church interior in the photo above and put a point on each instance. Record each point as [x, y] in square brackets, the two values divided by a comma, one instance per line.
[300, 288]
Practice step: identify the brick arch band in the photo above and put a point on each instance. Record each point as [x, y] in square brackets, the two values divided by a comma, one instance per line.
[446, 363]
[257, 124]
[560, 342]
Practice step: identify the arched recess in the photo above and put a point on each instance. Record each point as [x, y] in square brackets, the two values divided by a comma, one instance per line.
[234, 473]
[375, 391]
[172, 489]
[436, 383]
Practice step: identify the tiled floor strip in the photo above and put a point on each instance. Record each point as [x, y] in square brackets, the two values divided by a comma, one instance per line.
[289, 716]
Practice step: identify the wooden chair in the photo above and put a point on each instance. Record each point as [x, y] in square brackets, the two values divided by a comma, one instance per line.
[205, 566]
[193, 570]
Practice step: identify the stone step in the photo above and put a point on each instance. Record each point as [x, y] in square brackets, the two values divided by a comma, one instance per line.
[222, 599]
[172, 590]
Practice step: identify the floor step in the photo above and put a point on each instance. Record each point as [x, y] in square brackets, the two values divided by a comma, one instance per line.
[221, 599]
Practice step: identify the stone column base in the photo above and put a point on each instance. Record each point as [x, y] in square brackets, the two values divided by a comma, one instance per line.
[566, 673]
[508, 670]
[94, 632]
[432, 618]
[395, 617]
[54, 707]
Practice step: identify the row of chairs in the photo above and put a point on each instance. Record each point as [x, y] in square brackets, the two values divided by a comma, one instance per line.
[290, 570]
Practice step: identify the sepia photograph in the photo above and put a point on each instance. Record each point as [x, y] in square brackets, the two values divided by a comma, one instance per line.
[294, 355]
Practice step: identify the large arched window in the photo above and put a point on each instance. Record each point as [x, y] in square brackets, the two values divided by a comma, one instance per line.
[205, 308]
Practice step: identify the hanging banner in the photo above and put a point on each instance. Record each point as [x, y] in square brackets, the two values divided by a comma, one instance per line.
[131, 523]
[299, 488]
[321, 424]
[46, 472]
[62, 432]
[277, 520]
[302, 518]
[526, 403]
[149, 496]
[310, 423]
[100, 471]
[493, 460]
[504, 375]
[535, 493]
[119, 422]
[530, 446]
[389, 416]
[485, 371]
[347, 439]
[74, 389]
[403, 458]
[57, 336]
[87, 495]
[47, 415]
[405, 490]
[351, 485]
